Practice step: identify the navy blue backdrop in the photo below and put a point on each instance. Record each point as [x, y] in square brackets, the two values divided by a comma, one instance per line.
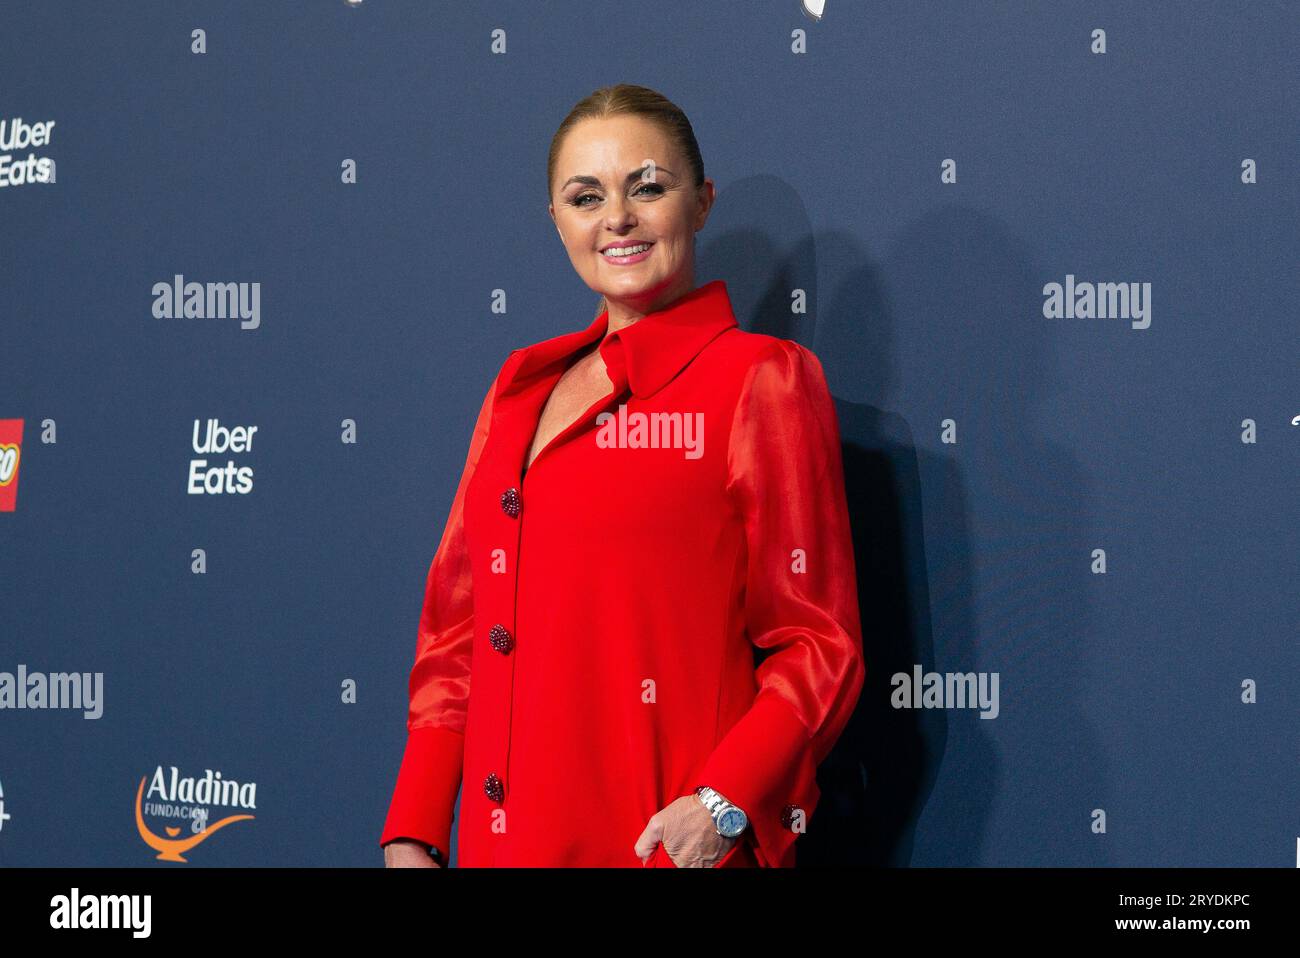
[1097, 511]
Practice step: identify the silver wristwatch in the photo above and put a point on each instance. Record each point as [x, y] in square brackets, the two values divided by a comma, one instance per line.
[729, 820]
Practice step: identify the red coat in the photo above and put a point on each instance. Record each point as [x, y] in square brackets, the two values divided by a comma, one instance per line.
[586, 647]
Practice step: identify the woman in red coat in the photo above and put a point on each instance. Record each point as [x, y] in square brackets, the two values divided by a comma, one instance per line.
[646, 502]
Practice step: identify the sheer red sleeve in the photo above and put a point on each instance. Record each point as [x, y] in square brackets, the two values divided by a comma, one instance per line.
[801, 602]
[424, 797]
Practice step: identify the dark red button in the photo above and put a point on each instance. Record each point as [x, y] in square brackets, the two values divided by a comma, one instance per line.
[500, 639]
[787, 815]
[510, 502]
[493, 788]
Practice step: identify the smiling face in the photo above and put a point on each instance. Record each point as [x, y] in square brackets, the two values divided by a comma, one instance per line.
[606, 195]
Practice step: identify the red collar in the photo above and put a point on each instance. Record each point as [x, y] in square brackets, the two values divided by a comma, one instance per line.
[646, 354]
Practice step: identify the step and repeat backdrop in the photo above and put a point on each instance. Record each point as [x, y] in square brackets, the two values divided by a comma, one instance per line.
[261, 261]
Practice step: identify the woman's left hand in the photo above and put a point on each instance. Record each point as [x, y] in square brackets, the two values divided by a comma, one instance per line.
[688, 835]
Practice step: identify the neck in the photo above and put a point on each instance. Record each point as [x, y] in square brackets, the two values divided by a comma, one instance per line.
[625, 312]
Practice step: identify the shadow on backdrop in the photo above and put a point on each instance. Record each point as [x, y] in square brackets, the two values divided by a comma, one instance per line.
[877, 779]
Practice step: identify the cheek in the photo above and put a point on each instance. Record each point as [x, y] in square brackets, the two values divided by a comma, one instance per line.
[677, 237]
[674, 246]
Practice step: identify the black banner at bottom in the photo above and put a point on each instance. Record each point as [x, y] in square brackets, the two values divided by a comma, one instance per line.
[494, 906]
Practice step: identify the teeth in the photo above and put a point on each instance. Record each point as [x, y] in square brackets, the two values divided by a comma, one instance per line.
[626, 250]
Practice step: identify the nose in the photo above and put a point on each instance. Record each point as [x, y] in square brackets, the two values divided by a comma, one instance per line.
[619, 214]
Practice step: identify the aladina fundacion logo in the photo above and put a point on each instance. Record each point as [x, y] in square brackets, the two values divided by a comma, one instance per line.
[189, 798]
[11, 449]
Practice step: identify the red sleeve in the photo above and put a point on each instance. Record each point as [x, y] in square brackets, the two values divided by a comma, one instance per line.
[429, 778]
[786, 477]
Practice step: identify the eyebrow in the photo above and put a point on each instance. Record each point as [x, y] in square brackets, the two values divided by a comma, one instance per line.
[634, 175]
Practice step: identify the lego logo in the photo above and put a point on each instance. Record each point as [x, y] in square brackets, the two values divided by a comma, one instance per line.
[8, 462]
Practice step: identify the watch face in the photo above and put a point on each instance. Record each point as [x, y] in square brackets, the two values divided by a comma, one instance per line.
[732, 822]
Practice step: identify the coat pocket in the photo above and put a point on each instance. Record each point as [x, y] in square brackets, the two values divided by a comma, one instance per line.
[735, 856]
[661, 858]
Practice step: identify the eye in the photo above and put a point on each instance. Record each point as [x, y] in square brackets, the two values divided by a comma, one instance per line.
[654, 188]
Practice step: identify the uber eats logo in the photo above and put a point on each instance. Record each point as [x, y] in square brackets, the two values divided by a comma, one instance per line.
[211, 477]
[18, 137]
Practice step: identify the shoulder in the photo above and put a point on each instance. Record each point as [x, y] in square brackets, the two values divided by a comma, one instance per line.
[761, 359]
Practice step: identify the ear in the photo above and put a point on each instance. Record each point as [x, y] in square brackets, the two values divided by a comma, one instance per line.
[705, 200]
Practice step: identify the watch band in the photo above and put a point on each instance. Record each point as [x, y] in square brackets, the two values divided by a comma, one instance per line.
[717, 804]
